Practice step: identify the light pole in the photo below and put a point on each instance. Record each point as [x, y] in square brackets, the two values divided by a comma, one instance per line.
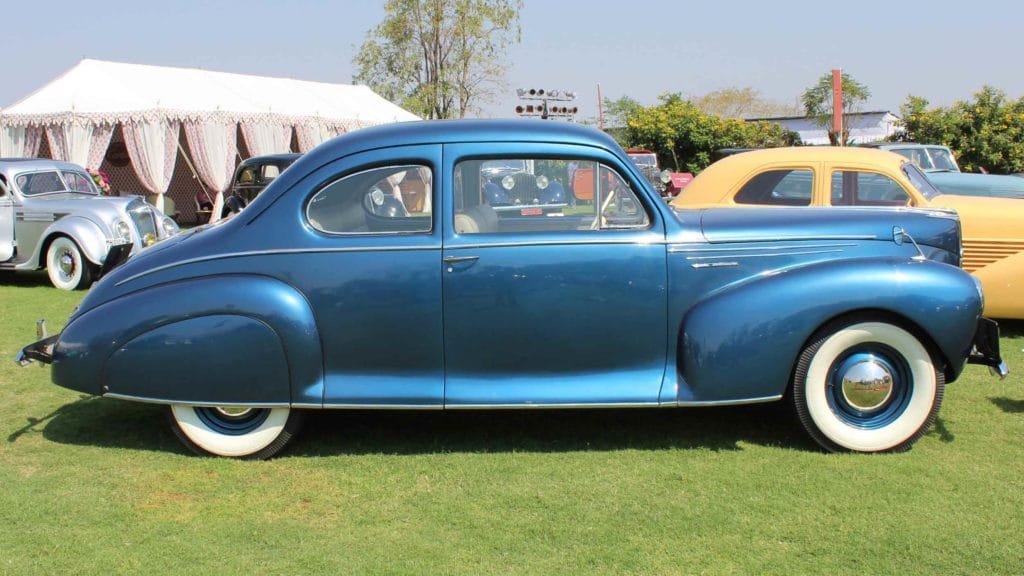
[536, 103]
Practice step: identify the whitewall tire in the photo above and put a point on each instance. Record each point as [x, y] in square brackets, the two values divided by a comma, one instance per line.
[251, 433]
[67, 267]
[866, 385]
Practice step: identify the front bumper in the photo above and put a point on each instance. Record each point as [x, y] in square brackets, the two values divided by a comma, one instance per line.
[985, 349]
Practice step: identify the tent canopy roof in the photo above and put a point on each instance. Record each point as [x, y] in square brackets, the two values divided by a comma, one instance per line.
[96, 91]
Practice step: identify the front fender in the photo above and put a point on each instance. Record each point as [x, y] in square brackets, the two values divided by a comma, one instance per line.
[229, 339]
[742, 342]
[89, 236]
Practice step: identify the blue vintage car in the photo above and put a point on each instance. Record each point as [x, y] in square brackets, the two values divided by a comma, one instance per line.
[943, 171]
[314, 297]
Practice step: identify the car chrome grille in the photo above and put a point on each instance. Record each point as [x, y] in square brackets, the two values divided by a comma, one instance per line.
[142, 218]
[981, 253]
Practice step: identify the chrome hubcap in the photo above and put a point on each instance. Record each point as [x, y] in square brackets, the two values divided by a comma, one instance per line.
[233, 411]
[67, 264]
[867, 385]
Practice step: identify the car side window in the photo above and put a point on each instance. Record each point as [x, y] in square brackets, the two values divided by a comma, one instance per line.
[543, 195]
[387, 200]
[854, 188]
[778, 188]
[78, 182]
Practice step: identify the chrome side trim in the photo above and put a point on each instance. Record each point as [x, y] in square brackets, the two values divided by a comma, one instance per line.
[547, 406]
[381, 406]
[147, 400]
[605, 241]
[277, 252]
[678, 248]
[766, 255]
[817, 237]
[695, 403]
[714, 264]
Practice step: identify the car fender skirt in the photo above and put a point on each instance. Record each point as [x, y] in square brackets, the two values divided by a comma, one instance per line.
[229, 339]
[743, 341]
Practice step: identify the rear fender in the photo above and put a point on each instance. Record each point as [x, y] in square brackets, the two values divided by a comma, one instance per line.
[742, 342]
[230, 339]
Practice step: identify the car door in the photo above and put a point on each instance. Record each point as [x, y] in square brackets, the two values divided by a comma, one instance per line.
[371, 270]
[554, 280]
[6, 223]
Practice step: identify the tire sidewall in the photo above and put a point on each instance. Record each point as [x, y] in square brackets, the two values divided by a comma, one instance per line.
[813, 374]
[54, 252]
[261, 442]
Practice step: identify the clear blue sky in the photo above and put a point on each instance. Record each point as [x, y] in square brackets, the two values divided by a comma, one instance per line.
[942, 51]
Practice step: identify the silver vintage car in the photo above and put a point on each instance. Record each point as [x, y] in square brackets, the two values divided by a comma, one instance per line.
[52, 216]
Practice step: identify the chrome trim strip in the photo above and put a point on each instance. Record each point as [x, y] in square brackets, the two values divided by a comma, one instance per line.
[561, 405]
[762, 255]
[817, 237]
[147, 400]
[695, 403]
[645, 242]
[382, 406]
[678, 248]
[714, 264]
[277, 252]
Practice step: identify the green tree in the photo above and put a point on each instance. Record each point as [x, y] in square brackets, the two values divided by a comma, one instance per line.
[744, 102]
[439, 58]
[686, 138]
[818, 105]
[986, 132]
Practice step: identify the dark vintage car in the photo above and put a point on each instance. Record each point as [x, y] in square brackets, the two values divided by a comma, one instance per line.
[857, 318]
[251, 176]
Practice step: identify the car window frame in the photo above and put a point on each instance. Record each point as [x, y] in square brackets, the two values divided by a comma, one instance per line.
[827, 186]
[55, 170]
[812, 168]
[362, 169]
[455, 152]
[527, 157]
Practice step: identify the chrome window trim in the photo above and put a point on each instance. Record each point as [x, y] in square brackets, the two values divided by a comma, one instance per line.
[320, 189]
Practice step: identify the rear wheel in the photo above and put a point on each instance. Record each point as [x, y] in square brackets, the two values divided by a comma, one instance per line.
[866, 385]
[67, 267]
[235, 432]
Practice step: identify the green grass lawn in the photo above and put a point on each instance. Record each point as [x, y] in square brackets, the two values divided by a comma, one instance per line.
[93, 486]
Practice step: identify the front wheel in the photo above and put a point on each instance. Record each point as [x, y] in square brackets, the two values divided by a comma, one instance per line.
[866, 385]
[234, 432]
[67, 267]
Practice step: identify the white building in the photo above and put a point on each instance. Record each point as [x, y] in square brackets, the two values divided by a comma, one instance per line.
[864, 127]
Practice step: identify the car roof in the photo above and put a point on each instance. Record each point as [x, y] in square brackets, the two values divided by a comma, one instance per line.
[452, 131]
[707, 186]
[12, 166]
[271, 159]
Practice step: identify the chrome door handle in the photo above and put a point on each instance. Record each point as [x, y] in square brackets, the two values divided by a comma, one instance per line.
[451, 261]
[457, 259]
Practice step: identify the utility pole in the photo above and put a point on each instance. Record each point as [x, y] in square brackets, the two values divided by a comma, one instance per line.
[837, 105]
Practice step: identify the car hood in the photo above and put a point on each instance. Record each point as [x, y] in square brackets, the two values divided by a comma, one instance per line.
[992, 185]
[984, 217]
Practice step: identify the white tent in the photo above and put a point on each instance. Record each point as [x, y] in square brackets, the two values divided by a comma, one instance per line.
[79, 111]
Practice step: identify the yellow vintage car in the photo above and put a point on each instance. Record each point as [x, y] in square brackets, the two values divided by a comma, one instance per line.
[993, 228]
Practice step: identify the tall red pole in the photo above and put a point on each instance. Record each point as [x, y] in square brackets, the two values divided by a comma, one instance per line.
[837, 105]
[600, 108]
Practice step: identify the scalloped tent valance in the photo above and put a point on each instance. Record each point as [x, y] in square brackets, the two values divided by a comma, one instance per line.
[97, 92]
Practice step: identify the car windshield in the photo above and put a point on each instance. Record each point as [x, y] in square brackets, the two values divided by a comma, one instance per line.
[943, 160]
[644, 159]
[50, 181]
[920, 181]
